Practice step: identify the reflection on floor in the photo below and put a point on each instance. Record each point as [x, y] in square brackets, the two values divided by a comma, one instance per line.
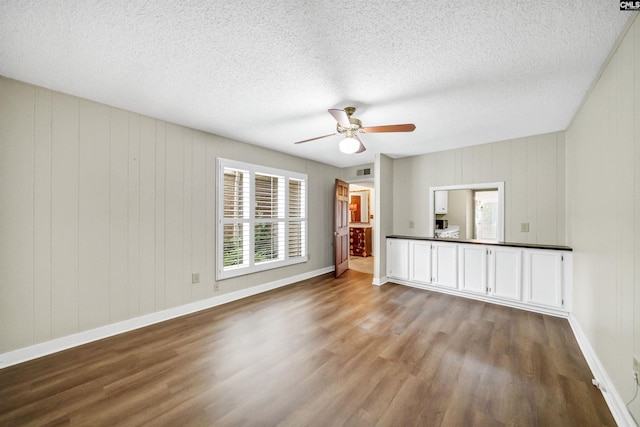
[361, 264]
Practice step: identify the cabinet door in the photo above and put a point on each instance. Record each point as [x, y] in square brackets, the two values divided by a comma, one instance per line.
[543, 273]
[398, 258]
[445, 264]
[420, 265]
[505, 273]
[441, 202]
[473, 268]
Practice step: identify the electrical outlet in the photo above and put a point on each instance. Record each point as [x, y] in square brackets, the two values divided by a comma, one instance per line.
[195, 278]
[216, 287]
[412, 224]
[524, 227]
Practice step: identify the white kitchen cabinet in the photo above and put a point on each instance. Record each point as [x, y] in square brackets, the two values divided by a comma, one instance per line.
[398, 258]
[420, 262]
[505, 272]
[472, 268]
[536, 279]
[543, 278]
[444, 264]
[441, 202]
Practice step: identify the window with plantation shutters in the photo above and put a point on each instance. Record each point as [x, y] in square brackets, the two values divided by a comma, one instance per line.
[262, 220]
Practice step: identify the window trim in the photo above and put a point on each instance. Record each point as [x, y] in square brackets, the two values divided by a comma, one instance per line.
[251, 266]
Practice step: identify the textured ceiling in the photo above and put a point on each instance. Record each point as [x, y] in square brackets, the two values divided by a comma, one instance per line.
[265, 72]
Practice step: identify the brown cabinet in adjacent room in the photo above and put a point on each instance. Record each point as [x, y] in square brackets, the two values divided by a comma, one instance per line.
[360, 241]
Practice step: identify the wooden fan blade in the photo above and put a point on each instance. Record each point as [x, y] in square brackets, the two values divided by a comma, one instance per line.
[340, 116]
[362, 147]
[313, 139]
[409, 127]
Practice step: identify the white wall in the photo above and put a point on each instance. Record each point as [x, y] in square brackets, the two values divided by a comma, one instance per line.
[603, 214]
[532, 169]
[350, 174]
[104, 214]
[383, 217]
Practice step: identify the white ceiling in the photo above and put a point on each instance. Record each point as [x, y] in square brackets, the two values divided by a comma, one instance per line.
[265, 72]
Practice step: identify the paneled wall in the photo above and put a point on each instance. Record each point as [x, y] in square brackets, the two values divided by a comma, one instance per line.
[532, 169]
[105, 214]
[603, 215]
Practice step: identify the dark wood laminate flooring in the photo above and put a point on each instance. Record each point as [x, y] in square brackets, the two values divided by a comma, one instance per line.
[323, 352]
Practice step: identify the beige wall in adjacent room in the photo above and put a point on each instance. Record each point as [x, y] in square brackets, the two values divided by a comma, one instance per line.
[106, 213]
[603, 215]
[459, 212]
[532, 169]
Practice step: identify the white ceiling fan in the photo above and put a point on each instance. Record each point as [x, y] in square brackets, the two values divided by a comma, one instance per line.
[350, 127]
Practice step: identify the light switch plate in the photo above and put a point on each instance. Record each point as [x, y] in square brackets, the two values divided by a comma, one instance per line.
[524, 227]
[195, 278]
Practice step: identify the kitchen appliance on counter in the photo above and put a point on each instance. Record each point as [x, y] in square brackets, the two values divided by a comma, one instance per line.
[452, 232]
[441, 224]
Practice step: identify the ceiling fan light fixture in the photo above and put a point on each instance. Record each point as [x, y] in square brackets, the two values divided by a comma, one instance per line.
[350, 127]
[349, 145]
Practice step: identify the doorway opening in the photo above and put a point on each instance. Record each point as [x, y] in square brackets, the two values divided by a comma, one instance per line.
[485, 217]
[361, 229]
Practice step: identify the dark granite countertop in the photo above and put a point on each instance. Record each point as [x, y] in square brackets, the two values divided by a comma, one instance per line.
[485, 242]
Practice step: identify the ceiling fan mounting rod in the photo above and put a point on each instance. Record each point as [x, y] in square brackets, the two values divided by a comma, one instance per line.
[349, 111]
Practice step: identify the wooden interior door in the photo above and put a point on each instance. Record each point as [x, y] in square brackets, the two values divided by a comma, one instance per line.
[341, 227]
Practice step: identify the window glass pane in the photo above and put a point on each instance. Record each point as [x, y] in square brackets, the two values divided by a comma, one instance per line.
[296, 245]
[236, 193]
[236, 245]
[269, 239]
[296, 199]
[269, 196]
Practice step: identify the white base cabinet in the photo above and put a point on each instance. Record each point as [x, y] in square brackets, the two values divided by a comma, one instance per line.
[398, 258]
[472, 268]
[420, 261]
[444, 262]
[529, 278]
[543, 278]
[505, 267]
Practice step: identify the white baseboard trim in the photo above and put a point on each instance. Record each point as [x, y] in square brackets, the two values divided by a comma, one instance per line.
[611, 396]
[63, 343]
[379, 281]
